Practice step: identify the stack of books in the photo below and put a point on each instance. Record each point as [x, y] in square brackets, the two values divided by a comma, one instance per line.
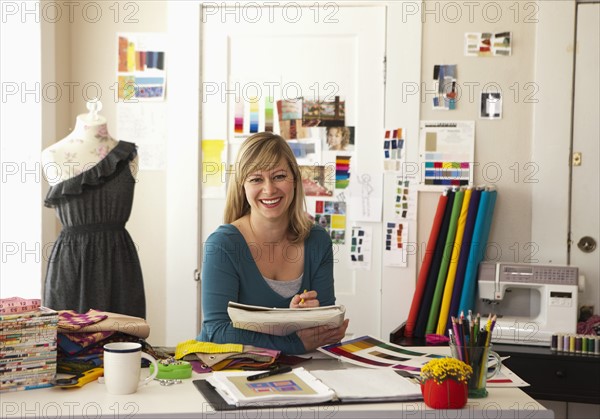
[27, 345]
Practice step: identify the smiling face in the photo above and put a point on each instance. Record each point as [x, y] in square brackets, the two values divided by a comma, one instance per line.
[270, 192]
[334, 138]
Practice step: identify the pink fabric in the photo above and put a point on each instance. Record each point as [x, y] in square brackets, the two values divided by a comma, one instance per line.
[71, 320]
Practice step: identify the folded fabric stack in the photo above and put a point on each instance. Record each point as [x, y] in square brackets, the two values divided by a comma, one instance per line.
[81, 337]
[27, 344]
[208, 356]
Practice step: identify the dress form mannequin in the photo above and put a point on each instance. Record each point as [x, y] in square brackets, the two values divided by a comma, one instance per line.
[83, 148]
[94, 262]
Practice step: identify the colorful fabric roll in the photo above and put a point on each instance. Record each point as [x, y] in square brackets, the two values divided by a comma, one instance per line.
[456, 251]
[464, 255]
[422, 279]
[434, 270]
[480, 236]
[434, 310]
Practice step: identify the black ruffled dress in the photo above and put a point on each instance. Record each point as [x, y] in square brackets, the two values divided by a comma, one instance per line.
[94, 262]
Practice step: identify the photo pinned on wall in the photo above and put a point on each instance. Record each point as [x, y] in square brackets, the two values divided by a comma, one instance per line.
[393, 149]
[307, 151]
[141, 66]
[361, 247]
[304, 140]
[290, 118]
[324, 113]
[490, 106]
[339, 139]
[318, 180]
[488, 44]
[395, 246]
[444, 77]
[446, 152]
[405, 199]
[331, 215]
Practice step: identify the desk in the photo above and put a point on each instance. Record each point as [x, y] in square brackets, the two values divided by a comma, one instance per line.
[184, 401]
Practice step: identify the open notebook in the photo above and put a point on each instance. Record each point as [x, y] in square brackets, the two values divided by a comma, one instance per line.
[283, 321]
[300, 387]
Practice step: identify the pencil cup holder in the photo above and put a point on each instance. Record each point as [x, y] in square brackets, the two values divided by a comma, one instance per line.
[485, 363]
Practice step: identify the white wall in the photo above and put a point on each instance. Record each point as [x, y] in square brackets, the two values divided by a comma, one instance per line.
[541, 55]
[502, 147]
[86, 40]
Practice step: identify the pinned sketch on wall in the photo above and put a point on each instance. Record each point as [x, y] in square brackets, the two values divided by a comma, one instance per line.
[446, 152]
[145, 124]
[395, 246]
[331, 215]
[405, 201]
[213, 168]
[325, 113]
[361, 246]
[393, 149]
[444, 77]
[339, 139]
[488, 44]
[318, 180]
[490, 105]
[141, 66]
[365, 196]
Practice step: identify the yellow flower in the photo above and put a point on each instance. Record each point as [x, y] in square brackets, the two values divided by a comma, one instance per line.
[440, 369]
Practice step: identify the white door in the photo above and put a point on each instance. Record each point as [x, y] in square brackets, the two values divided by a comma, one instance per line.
[308, 51]
[585, 211]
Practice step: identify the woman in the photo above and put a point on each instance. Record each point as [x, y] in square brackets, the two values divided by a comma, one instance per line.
[268, 252]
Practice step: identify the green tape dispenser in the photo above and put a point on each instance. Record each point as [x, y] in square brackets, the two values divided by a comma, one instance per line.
[172, 369]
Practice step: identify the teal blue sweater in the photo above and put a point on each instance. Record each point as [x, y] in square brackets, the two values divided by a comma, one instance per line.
[229, 273]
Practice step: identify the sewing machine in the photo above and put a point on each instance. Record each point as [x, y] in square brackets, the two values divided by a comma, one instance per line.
[531, 302]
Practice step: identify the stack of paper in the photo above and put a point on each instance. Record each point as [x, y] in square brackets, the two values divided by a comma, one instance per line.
[369, 385]
[28, 349]
[293, 388]
[283, 321]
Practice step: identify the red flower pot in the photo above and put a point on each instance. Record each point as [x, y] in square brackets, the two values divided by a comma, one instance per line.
[449, 394]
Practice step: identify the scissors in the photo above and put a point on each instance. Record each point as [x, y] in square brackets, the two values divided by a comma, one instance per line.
[79, 380]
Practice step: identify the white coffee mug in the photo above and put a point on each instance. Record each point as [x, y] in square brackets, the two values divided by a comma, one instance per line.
[122, 366]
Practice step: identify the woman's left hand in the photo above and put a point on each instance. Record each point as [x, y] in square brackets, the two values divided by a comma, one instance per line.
[305, 300]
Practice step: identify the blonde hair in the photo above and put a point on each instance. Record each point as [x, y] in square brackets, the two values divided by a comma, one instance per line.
[263, 151]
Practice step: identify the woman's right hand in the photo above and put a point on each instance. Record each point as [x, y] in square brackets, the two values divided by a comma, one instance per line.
[314, 337]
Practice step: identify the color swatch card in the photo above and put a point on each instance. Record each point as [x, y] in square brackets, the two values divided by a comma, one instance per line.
[488, 44]
[361, 247]
[393, 149]
[395, 246]
[141, 66]
[405, 200]
[371, 352]
[446, 151]
[342, 172]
